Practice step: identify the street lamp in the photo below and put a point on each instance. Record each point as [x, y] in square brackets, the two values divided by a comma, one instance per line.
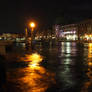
[32, 26]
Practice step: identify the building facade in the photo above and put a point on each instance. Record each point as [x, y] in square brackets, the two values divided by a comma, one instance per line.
[67, 32]
[72, 32]
[85, 30]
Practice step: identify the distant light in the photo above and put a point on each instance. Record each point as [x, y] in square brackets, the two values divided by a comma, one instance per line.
[88, 36]
[69, 32]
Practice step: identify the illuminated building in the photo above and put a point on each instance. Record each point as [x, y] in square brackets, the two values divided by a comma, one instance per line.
[12, 37]
[72, 32]
[8, 36]
[67, 32]
[85, 30]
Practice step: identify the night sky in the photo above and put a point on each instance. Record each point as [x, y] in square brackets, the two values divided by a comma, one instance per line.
[17, 13]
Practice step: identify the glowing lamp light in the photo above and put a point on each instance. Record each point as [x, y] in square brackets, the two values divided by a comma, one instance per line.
[32, 24]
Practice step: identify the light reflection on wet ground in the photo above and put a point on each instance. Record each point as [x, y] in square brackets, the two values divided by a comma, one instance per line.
[32, 78]
[87, 86]
[67, 67]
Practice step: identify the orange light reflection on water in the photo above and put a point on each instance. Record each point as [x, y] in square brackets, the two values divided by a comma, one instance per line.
[88, 83]
[90, 54]
[37, 78]
[90, 50]
[33, 58]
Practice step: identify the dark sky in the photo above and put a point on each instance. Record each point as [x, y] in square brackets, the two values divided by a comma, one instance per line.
[17, 13]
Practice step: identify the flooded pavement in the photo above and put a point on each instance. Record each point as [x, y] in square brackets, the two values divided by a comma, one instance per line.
[66, 67]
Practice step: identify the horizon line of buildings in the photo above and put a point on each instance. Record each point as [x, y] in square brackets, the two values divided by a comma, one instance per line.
[80, 31]
[71, 32]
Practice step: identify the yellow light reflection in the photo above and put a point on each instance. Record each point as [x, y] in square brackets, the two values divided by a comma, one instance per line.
[37, 78]
[34, 58]
[90, 54]
[34, 65]
[68, 47]
[90, 50]
[88, 83]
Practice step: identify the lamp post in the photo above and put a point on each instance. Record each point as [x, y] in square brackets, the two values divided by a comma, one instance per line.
[26, 33]
[26, 38]
[32, 26]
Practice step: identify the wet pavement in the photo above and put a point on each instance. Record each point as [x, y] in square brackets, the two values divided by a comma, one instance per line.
[66, 67]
